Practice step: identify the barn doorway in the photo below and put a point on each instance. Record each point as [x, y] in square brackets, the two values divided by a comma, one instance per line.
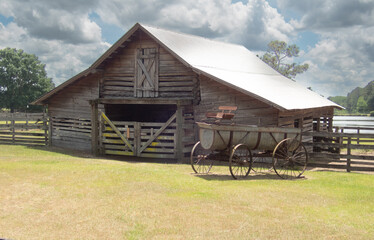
[142, 130]
[140, 112]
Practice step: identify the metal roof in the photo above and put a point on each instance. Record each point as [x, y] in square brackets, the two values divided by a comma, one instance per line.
[230, 64]
[237, 67]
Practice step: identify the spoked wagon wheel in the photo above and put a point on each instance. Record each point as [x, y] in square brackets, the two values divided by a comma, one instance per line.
[240, 161]
[200, 161]
[290, 158]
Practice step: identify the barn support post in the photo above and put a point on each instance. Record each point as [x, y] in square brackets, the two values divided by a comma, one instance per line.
[45, 126]
[101, 129]
[94, 128]
[137, 140]
[50, 126]
[179, 140]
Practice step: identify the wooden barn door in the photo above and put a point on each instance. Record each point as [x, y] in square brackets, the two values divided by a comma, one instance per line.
[142, 139]
[146, 73]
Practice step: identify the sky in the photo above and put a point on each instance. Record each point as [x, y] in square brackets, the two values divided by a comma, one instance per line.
[336, 37]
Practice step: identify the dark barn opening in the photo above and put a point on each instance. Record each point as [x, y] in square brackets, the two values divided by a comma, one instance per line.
[140, 112]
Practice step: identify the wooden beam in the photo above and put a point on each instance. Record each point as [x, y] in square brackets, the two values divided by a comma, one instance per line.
[94, 128]
[144, 101]
[179, 139]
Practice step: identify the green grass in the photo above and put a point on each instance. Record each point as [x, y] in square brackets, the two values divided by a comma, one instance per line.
[362, 141]
[51, 195]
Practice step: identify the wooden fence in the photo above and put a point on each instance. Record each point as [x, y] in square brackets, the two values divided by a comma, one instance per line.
[350, 148]
[71, 133]
[24, 128]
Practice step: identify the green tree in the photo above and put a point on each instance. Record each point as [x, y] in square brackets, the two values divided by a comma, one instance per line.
[370, 103]
[362, 105]
[22, 79]
[341, 100]
[276, 56]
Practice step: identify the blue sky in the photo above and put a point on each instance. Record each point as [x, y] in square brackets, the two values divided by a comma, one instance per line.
[335, 36]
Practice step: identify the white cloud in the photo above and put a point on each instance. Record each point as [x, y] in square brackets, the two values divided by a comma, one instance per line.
[58, 32]
[324, 15]
[62, 35]
[63, 60]
[342, 61]
[253, 24]
[344, 56]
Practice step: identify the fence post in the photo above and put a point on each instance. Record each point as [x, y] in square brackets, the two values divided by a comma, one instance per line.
[27, 122]
[13, 128]
[349, 155]
[358, 138]
[339, 140]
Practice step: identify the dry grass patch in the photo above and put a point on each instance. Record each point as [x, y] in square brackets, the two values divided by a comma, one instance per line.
[51, 195]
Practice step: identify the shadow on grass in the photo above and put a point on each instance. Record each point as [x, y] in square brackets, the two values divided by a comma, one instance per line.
[63, 151]
[88, 154]
[221, 177]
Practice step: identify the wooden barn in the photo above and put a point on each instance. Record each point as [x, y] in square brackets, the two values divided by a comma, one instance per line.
[143, 96]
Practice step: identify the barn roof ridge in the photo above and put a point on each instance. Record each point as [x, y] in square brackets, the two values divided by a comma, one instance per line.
[232, 65]
[190, 35]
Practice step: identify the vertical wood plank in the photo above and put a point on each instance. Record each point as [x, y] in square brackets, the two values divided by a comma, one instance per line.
[340, 140]
[45, 126]
[358, 138]
[156, 59]
[13, 128]
[137, 74]
[330, 120]
[137, 139]
[94, 128]
[50, 129]
[179, 139]
[349, 154]
[101, 129]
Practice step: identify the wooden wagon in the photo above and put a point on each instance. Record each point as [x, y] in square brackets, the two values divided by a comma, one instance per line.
[234, 143]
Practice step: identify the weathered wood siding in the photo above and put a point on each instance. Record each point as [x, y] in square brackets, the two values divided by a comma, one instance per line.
[70, 113]
[250, 110]
[174, 79]
[188, 131]
[73, 101]
[309, 120]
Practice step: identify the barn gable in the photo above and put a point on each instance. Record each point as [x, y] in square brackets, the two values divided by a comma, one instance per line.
[144, 69]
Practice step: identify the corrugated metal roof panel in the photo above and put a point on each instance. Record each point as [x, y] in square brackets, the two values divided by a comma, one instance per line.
[236, 66]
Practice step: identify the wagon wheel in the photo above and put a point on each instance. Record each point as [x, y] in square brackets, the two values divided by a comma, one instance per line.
[290, 158]
[240, 161]
[200, 161]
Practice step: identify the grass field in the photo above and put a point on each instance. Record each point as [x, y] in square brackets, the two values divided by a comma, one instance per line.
[53, 195]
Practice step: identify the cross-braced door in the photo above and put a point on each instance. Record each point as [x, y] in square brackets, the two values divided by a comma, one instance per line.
[146, 75]
[142, 139]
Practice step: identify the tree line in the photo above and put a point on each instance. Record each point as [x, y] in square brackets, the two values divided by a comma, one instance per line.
[359, 100]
